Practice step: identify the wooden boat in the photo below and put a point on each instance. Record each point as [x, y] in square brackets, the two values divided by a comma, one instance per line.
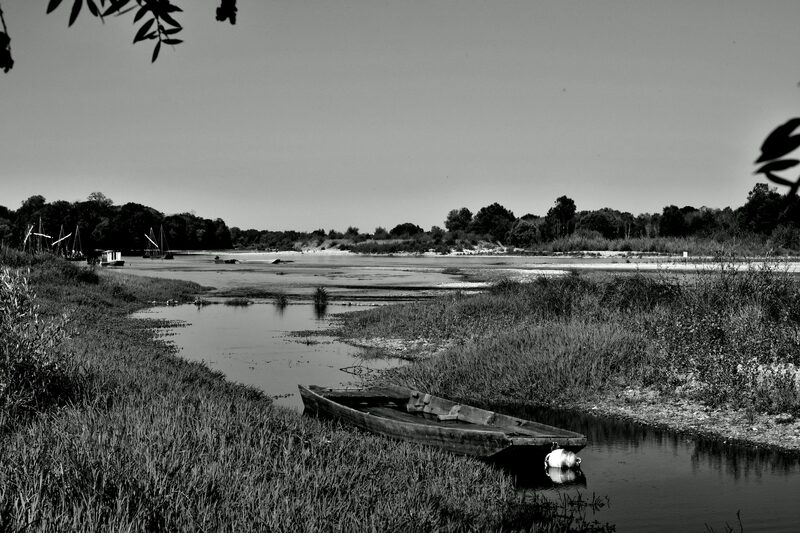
[406, 414]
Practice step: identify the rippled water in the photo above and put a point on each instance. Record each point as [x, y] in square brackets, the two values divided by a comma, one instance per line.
[651, 480]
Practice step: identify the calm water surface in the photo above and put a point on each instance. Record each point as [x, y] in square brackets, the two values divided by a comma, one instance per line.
[652, 480]
[256, 345]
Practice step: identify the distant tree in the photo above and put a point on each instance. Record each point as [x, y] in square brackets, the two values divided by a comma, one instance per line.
[702, 222]
[762, 211]
[222, 235]
[493, 220]
[458, 220]
[526, 232]
[604, 221]
[437, 234]
[406, 229]
[100, 199]
[380, 233]
[32, 204]
[672, 222]
[561, 217]
[351, 233]
[647, 225]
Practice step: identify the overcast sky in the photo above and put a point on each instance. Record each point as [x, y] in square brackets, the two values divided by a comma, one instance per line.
[336, 113]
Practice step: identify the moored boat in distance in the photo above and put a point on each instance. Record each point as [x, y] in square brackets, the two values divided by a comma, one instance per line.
[411, 415]
[160, 249]
[111, 258]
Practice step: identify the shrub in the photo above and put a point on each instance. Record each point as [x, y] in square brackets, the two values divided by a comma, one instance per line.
[321, 297]
[33, 368]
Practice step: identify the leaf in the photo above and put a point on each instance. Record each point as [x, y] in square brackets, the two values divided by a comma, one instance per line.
[779, 180]
[775, 166]
[76, 9]
[142, 33]
[172, 41]
[168, 18]
[172, 31]
[139, 14]
[92, 8]
[780, 142]
[156, 50]
[115, 6]
[52, 5]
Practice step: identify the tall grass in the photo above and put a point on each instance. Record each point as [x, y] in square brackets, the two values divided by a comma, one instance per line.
[696, 246]
[151, 442]
[726, 336]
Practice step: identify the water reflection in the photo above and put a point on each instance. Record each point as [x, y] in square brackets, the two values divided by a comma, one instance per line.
[259, 345]
[320, 311]
[530, 471]
[663, 481]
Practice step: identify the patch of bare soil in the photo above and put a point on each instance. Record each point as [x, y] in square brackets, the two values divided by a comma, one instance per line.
[407, 349]
[683, 415]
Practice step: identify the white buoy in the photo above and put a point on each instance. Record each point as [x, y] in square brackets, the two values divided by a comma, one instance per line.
[561, 458]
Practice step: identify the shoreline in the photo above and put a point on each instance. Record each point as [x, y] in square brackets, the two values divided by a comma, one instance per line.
[648, 407]
[687, 417]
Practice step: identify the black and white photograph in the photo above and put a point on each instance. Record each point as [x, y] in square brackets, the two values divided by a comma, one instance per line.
[399, 266]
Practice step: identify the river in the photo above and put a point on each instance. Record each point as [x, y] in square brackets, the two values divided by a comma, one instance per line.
[647, 480]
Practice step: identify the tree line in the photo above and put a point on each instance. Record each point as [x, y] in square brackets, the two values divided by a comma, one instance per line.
[766, 216]
[103, 225]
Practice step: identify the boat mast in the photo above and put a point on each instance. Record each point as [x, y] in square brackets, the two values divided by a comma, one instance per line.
[77, 242]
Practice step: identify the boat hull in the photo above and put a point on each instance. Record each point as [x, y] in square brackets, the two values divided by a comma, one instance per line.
[405, 414]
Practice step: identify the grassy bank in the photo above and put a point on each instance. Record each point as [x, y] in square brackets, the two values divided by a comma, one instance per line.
[725, 337]
[126, 436]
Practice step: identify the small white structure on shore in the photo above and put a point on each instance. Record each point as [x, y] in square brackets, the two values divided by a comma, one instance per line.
[111, 258]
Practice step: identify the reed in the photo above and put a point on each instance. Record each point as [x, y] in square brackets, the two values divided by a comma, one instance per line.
[280, 300]
[321, 297]
[725, 336]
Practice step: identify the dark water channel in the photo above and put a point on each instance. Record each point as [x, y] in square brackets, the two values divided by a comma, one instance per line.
[661, 481]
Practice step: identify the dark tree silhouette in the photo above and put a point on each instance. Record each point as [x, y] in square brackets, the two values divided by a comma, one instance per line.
[458, 219]
[561, 217]
[493, 220]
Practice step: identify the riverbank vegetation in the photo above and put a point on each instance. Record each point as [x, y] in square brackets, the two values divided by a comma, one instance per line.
[103, 428]
[767, 223]
[726, 337]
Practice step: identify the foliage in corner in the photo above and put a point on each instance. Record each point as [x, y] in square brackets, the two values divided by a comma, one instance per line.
[780, 142]
[157, 21]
